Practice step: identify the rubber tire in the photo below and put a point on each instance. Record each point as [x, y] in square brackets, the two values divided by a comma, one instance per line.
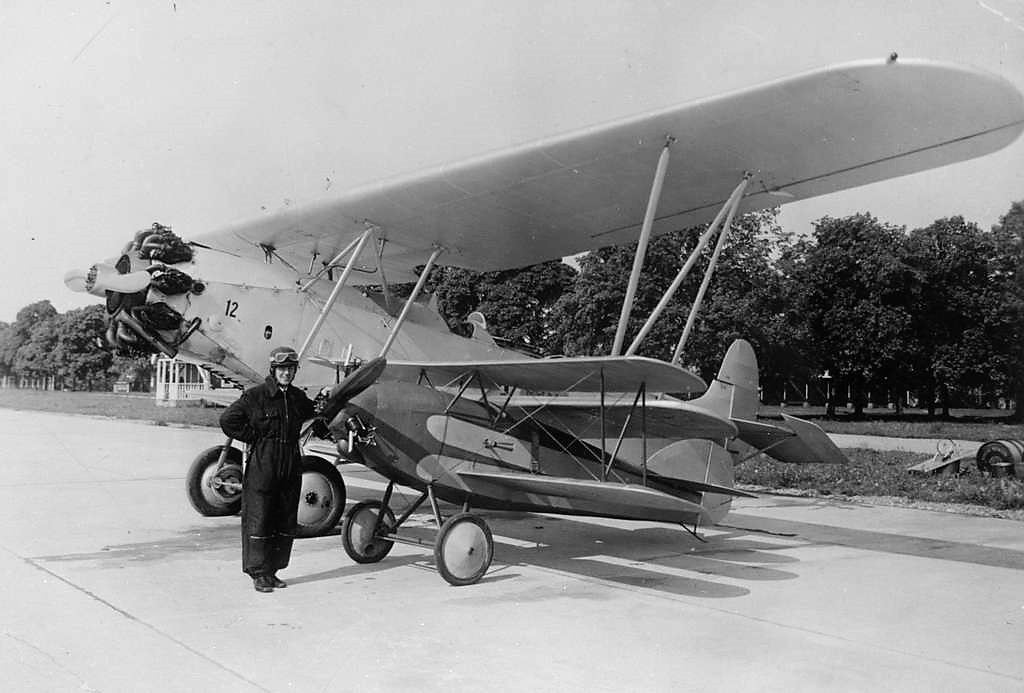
[204, 499]
[996, 458]
[316, 473]
[457, 542]
[361, 519]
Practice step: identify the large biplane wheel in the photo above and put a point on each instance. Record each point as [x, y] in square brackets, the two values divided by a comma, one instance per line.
[464, 549]
[215, 492]
[322, 498]
[357, 532]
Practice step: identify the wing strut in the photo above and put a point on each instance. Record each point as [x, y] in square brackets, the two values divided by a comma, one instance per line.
[328, 266]
[641, 248]
[729, 207]
[710, 270]
[412, 298]
[325, 311]
[641, 396]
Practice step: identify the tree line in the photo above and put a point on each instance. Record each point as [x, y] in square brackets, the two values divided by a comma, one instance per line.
[859, 311]
[878, 310]
[64, 350]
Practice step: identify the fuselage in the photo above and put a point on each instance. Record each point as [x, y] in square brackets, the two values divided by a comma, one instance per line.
[226, 312]
[243, 308]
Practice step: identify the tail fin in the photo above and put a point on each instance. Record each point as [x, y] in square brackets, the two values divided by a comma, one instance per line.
[734, 392]
[707, 466]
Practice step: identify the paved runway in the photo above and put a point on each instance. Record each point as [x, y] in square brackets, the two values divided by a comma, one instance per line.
[111, 582]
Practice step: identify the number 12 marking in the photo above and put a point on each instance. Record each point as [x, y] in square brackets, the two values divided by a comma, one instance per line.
[230, 308]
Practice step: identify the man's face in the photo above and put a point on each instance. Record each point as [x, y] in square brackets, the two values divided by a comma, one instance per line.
[284, 375]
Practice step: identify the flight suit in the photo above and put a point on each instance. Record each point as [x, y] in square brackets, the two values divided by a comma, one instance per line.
[269, 419]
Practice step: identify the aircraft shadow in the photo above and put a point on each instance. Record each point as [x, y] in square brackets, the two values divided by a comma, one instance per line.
[734, 558]
[221, 535]
[665, 558]
[902, 544]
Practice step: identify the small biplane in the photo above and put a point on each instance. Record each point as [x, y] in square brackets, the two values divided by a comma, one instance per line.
[466, 421]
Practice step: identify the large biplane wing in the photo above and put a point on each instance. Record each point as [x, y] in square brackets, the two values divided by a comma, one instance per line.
[803, 136]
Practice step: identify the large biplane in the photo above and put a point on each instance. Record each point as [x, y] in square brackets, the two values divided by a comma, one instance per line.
[466, 421]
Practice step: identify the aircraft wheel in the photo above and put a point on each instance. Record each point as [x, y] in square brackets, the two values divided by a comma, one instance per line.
[464, 549]
[322, 498]
[357, 532]
[215, 492]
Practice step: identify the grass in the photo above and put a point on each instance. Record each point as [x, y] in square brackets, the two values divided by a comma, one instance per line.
[138, 406]
[876, 473]
[963, 424]
[871, 473]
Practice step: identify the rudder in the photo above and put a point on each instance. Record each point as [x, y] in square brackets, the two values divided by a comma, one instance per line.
[734, 391]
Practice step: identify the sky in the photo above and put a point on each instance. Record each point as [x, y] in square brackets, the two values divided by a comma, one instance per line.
[197, 115]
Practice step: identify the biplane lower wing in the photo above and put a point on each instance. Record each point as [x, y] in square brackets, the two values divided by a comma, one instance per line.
[802, 443]
[582, 496]
[693, 486]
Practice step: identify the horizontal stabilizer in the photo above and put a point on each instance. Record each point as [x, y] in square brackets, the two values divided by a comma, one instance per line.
[800, 442]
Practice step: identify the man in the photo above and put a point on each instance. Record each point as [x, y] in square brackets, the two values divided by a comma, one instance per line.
[269, 417]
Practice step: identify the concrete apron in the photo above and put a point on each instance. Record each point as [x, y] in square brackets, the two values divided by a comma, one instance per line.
[113, 583]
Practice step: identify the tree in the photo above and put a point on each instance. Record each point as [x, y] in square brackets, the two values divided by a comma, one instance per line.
[743, 300]
[952, 309]
[1006, 315]
[516, 303]
[19, 331]
[6, 363]
[748, 299]
[134, 369]
[80, 352]
[30, 348]
[849, 287]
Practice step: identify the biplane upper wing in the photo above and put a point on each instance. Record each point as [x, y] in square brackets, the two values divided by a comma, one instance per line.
[815, 133]
[577, 374]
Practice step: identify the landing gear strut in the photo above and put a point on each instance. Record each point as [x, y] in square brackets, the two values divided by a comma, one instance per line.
[462, 551]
